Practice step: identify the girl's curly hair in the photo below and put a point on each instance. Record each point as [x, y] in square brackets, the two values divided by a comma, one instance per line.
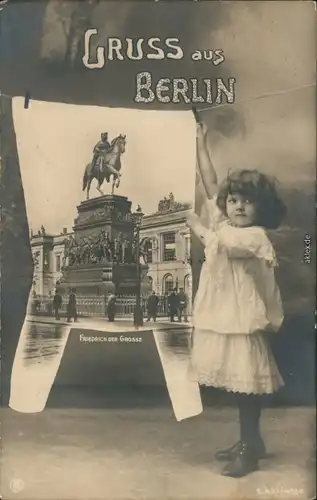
[259, 189]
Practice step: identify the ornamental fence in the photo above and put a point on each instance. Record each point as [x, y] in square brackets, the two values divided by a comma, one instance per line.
[96, 306]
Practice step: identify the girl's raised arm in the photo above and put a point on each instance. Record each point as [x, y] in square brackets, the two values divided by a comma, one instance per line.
[205, 165]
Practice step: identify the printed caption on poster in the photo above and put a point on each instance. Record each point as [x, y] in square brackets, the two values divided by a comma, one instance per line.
[113, 339]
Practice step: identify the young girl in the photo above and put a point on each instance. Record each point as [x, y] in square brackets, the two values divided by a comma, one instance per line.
[238, 302]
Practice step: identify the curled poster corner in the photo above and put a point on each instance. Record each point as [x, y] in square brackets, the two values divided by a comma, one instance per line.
[31, 382]
[183, 392]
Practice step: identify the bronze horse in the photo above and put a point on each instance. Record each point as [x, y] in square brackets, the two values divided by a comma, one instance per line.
[108, 164]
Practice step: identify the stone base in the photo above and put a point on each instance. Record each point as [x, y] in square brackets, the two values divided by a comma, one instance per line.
[100, 279]
[109, 212]
[88, 280]
[104, 231]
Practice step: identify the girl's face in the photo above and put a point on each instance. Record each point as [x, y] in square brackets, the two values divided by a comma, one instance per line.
[241, 211]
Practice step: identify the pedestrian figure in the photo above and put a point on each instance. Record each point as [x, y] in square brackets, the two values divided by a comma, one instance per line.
[111, 306]
[182, 305]
[72, 306]
[238, 301]
[173, 303]
[57, 304]
[37, 303]
[152, 305]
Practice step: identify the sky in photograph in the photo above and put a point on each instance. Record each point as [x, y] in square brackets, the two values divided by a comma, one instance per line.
[55, 143]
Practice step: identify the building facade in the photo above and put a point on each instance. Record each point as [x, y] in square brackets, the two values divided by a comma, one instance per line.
[168, 251]
[169, 248]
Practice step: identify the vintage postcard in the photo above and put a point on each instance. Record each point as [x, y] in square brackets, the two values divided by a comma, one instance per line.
[158, 250]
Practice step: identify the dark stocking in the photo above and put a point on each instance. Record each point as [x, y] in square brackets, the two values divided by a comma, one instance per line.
[249, 415]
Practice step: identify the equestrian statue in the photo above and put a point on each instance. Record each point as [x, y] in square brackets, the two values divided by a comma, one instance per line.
[106, 163]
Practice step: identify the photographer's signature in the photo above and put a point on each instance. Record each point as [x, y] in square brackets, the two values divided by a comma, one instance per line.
[280, 491]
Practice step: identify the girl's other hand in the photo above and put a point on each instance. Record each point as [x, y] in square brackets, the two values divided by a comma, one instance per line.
[195, 224]
[192, 219]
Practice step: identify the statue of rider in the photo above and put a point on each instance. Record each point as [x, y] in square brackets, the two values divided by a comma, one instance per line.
[100, 148]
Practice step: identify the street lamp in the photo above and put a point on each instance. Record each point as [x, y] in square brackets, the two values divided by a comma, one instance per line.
[155, 247]
[138, 313]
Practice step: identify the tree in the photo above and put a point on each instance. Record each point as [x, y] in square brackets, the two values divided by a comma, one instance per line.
[75, 17]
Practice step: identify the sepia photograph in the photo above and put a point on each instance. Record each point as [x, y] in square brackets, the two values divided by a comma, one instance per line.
[118, 267]
[158, 248]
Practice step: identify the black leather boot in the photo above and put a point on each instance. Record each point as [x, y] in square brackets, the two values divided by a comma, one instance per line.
[229, 454]
[244, 463]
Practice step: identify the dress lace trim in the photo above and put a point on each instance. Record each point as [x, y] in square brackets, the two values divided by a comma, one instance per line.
[263, 385]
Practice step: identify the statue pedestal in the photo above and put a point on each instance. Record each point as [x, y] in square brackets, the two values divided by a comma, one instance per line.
[102, 258]
[109, 212]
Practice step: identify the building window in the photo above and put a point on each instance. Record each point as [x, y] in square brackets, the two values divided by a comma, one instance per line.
[58, 263]
[168, 284]
[169, 249]
[149, 252]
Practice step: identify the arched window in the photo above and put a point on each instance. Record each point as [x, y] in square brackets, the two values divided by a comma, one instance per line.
[167, 284]
[188, 283]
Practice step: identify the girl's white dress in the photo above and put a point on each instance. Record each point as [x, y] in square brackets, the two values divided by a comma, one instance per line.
[237, 302]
